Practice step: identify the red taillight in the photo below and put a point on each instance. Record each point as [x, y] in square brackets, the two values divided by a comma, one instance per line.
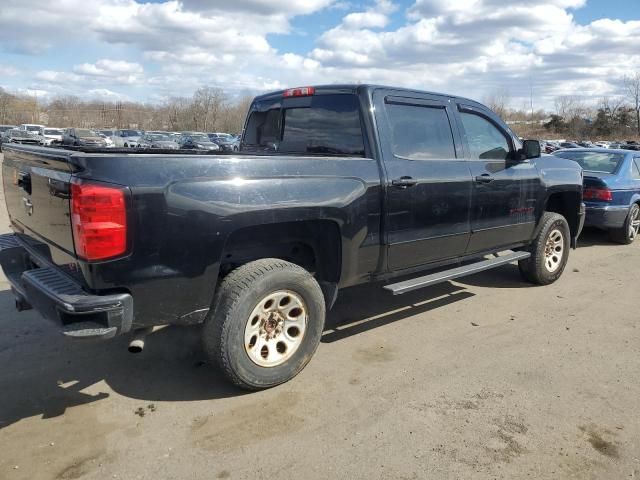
[603, 194]
[99, 221]
[299, 92]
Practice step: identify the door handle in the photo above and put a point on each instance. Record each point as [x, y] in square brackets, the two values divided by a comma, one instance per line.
[484, 178]
[403, 182]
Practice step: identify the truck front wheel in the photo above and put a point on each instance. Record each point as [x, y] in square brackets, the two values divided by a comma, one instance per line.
[265, 323]
[549, 251]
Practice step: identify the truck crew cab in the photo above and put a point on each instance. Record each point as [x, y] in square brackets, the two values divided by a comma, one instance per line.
[333, 186]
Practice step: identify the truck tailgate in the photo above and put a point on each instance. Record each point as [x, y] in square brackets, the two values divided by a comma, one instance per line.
[36, 189]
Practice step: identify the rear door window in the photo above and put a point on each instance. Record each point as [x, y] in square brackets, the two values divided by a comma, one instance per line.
[420, 132]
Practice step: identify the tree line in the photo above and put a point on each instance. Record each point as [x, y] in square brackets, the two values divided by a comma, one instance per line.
[213, 109]
[610, 118]
[208, 109]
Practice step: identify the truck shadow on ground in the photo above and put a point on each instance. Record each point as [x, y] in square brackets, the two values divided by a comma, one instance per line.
[45, 374]
[592, 236]
[366, 307]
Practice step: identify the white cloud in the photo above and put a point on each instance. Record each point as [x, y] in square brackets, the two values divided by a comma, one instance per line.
[467, 47]
[106, 94]
[8, 71]
[266, 7]
[109, 68]
[375, 17]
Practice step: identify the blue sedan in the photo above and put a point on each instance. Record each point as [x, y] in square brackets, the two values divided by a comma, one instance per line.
[611, 189]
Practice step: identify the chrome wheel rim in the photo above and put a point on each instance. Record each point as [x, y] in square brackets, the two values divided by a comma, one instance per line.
[275, 329]
[554, 250]
[634, 224]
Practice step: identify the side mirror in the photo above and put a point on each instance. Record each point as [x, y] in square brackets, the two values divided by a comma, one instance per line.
[530, 149]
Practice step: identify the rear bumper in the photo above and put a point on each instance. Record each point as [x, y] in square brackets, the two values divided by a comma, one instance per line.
[607, 217]
[59, 299]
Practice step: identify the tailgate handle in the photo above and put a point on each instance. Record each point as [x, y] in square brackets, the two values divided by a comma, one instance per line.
[59, 188]
[24, 181]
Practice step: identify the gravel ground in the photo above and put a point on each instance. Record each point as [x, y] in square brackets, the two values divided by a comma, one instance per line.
[478, 379]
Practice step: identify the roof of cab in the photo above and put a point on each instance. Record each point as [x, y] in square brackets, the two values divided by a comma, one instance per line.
[356, 88]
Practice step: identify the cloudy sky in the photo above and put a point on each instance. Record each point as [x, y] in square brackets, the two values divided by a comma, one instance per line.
[148, 51]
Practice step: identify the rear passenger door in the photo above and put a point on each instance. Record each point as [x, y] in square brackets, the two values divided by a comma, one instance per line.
[505, 188]
[428, 182]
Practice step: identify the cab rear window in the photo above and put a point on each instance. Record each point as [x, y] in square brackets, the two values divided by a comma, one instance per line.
[321, 124]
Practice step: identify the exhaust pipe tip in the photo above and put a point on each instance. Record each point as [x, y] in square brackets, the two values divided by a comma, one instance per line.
[137, 344]
[22, 305]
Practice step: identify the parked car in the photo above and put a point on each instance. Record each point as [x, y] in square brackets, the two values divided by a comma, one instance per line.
[107, 139]
[611, 190]
[33, 128]
[225, 141]
[568, 145]
[158, 140]
[197, 141]
[602, 144]
[549, 147]
[82, 137]
[19, 136]
[126, 138]
[360, 184]
[107, 132]
[4, 128]
[50, 136]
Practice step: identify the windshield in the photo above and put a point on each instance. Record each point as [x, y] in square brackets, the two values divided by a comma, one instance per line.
[159, 137]
[322, 124]
[52, 131]
[130, 133]
[200, 138]
[85, 132]
[33, 128]
[599, 162]
[108, 133]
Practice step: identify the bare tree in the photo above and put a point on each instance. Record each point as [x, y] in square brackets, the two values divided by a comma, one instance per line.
[206, 105]
[499, 101]
[207, 109]
[569, 107]
[5, 102]
[611, 106]
[632, 87]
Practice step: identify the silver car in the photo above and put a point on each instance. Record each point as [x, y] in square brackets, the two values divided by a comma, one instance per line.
[158, 140]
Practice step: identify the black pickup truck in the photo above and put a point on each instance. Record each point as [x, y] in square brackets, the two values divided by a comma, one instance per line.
[334, 186]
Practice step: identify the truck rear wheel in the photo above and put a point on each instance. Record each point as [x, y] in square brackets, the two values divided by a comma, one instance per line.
[266, 322]
[549, 251]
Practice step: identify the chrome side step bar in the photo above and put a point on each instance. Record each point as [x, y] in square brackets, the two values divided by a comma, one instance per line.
[428, 280]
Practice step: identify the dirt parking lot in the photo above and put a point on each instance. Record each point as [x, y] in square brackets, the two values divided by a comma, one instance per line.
[482, 378]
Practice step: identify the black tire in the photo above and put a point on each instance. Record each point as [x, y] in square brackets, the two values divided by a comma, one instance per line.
[240, 292]
[626, 235]
[535, 269]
